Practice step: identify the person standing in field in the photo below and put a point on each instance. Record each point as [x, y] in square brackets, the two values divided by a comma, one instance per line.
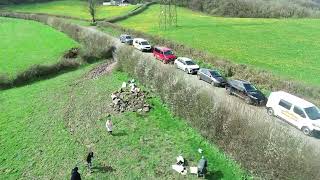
[75, 175]
[89, 161]
[109, 126]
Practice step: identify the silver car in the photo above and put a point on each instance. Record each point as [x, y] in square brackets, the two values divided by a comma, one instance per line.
[125, 38]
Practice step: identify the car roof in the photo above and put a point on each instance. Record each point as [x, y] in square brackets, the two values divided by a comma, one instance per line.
[210, 69]
[241, 81]
[185, 59]
[292, 99]
[139, 39]
[163, 48]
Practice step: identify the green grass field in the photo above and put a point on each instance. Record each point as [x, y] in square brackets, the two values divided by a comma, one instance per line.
[73, 8]
[286, 47]
[36, 141]
[26, 43]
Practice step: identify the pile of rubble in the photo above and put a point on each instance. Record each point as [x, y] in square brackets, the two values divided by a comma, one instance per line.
[130, 98]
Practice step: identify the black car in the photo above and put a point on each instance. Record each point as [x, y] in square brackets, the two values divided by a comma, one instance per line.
[212, 76]
[125, 38]
[246, 91]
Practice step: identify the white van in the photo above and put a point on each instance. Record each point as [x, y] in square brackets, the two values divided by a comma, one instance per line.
[296, 111]
[141, 44]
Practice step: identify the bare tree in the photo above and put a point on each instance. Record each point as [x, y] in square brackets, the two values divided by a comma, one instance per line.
[93, 9]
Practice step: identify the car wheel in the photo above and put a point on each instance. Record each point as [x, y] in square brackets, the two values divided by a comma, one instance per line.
[248, 100]
[186, 70]
[270, 112]
[229, 91]
[214, 84]
[306, 131]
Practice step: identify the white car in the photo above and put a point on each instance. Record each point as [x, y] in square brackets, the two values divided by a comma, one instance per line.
[296, 111]
[186, 65]
[141, 44]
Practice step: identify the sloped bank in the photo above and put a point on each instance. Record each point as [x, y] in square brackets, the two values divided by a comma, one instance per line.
[243, 132]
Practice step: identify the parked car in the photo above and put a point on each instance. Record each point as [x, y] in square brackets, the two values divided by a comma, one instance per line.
[246, 91]
[125, 38]
[141, 44]
[164, 54]
[294, 110]
[186, 65]
[212, 76]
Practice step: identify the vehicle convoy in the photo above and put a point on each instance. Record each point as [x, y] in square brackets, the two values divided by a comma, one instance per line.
[246, 91]
[187, 65]
[294, 110]
[164, 54]
[212, 76]
[141, 44]
[125, 38]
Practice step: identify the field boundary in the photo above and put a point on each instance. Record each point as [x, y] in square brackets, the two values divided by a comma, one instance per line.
[133, 12]
[264, 79]
[254, 140]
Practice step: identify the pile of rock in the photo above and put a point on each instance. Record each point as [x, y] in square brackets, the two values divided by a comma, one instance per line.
[130, 99]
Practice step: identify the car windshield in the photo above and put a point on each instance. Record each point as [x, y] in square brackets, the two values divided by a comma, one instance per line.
[249, 87]
[168, 52]
[128, 37]
[144, 43]
[215, 74]
[190, 63]
[313, 113]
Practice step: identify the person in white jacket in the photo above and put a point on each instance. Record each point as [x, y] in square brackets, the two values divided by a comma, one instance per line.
[109, 126]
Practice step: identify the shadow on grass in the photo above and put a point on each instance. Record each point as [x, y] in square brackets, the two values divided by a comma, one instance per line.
[316, 135]
[214, 175]
[103, 169]
[120, 134]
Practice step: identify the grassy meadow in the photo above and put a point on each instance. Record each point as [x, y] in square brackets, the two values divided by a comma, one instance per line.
[286, 47]
[73, 8]
[47, 128]
[26, 43]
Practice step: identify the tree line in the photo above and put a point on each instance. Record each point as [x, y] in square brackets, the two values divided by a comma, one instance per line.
[256, 8]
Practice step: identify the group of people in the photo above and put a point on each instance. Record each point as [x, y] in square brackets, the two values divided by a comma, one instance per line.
[201, 169]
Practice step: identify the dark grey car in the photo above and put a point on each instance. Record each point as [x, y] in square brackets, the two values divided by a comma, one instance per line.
[246, 91]
[125, 38]
[212, 76]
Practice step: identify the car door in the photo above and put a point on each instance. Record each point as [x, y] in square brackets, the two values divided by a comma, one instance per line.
[298, 116]
[285, 110]
[207, 76]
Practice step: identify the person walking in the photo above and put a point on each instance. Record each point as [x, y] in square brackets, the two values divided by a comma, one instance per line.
[109, 126]
[202, 167]
[89, 161]
[75, 175]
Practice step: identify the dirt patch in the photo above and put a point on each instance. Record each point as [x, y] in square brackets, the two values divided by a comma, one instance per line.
[102, 69]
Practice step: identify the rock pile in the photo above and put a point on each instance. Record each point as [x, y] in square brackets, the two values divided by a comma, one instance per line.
[130, 99]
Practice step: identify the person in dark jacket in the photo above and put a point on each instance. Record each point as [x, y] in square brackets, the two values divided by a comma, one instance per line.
[89, 160]
[75, 175]
[202, 167]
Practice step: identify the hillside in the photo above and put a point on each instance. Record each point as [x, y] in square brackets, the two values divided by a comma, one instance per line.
[286, 47]
[26, 43]
[73, 8]
[256, 8]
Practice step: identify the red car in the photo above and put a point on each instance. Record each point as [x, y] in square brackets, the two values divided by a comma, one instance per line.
[164, 54]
